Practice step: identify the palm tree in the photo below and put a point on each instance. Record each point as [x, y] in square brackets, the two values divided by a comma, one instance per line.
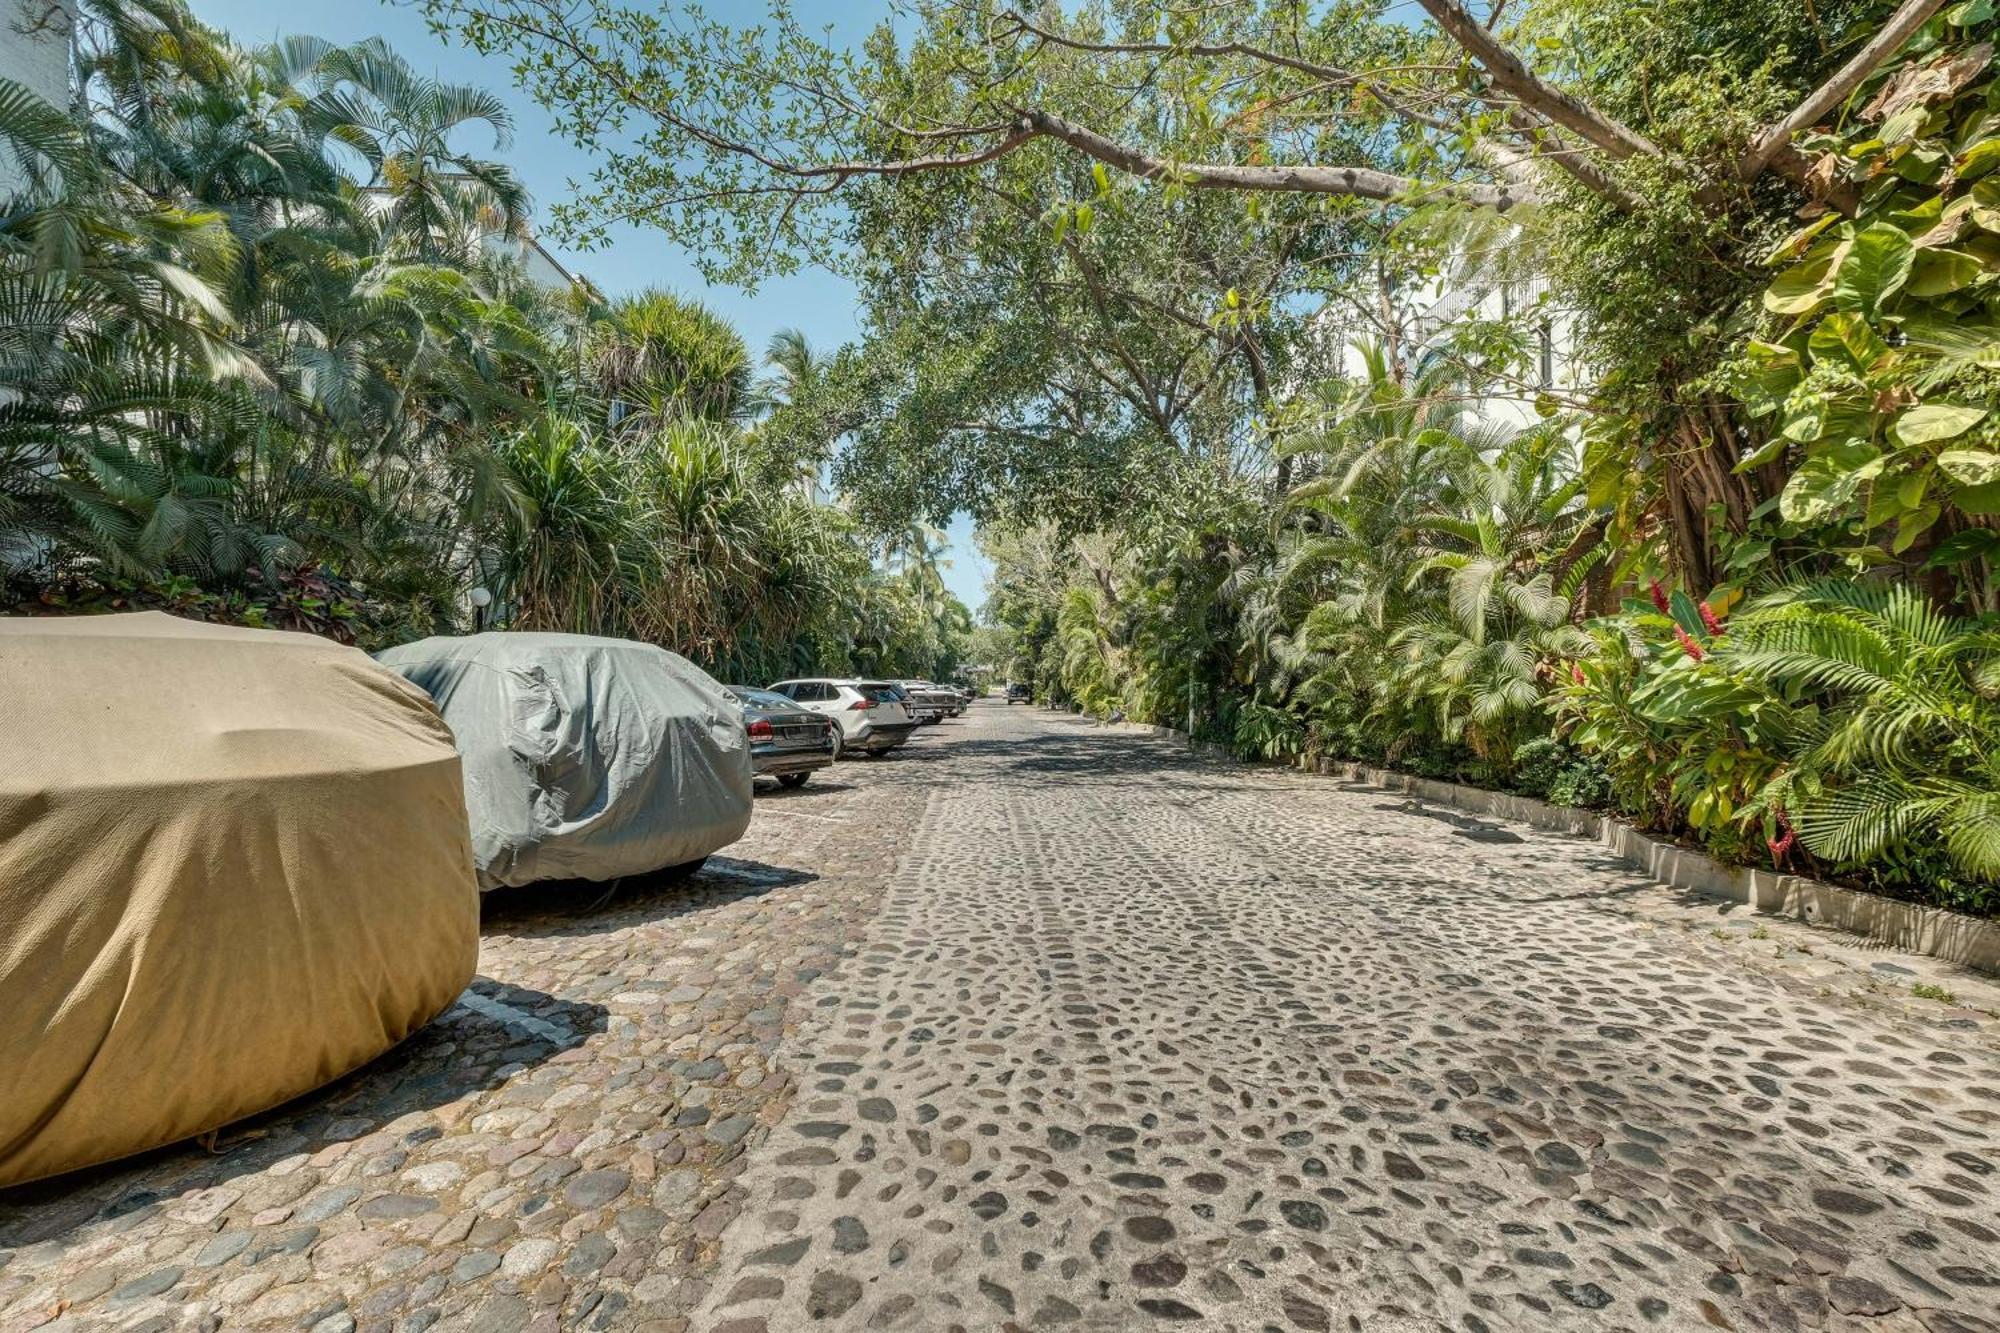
[796, 369]
[115, 359]
[916, 556]
[219, 369]
[439, 203]
[1401, 490]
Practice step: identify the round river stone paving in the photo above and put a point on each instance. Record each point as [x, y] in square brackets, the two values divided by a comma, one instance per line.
[555, 1152]
[1042, 1025]
[1141, 1041]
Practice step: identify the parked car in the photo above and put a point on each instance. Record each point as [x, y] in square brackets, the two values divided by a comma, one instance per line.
[1017, 693]
[930, 703]
[234, 865]
[871, 717]
[586, 758]
[787, 742]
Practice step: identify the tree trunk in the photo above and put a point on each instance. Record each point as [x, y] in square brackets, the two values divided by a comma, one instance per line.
[1705, 498]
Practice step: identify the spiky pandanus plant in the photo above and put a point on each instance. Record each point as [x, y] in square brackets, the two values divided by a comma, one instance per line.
[1894, 734]
[702, 524]
[657, 357]
[566, 539]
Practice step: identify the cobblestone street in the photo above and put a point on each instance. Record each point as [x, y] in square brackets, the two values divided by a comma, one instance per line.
[1039, 1024]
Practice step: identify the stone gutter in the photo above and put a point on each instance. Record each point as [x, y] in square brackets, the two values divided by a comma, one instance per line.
[1934, 932]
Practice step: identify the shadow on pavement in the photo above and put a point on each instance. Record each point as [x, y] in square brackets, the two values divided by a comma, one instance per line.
[820, 785]
[591, 907]
[491, 1028]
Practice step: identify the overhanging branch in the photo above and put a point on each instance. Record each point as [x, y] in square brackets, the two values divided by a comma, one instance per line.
[1355, 182]
[1773, 147]
[1510, 74]
[1547, 144]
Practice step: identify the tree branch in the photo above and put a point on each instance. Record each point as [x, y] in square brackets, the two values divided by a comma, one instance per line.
[1509, 73]
[1357, 182]
[1773, 147]
[1328, 76]
[1197, 50]
[1546, 144]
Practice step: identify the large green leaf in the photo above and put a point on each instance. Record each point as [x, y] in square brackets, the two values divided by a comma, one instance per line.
[1978, 499]
[1975, 340]
[1960, 547]
[1970, 467]
[1846, 338]
[1686, 614]
[1937, 421]
[1805, 286]
[1874, 269]
[1986, 203]
[1939, 272]
[1806, 424]
[1819, 491]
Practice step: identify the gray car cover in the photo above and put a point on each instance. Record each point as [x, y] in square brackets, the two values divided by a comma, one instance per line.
[585, 758]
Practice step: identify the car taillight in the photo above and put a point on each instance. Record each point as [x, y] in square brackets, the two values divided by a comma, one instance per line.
[760, 730]
[859, 706]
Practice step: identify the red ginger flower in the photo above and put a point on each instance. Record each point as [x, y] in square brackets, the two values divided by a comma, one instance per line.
[1659, 596]
[1576, 673]
[1688, 644]
[1779, 846]
[1710, 619]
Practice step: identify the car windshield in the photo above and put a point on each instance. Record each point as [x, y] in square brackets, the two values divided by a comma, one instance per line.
[761, 698]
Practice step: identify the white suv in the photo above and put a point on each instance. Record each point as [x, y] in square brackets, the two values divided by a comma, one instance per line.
[870, 716]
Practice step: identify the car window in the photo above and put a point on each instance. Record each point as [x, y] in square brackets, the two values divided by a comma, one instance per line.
[763, 698]
[821, 692]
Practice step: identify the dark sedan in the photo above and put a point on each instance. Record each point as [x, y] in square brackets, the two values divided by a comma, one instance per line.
[787, 742]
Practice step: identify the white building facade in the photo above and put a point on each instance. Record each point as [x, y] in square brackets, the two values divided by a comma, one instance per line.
[1421, 323]
[36, 40]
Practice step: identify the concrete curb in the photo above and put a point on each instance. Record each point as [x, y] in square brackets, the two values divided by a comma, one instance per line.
[1932, 932]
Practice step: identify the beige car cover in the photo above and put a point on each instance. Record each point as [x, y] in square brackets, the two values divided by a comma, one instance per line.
[234, 865]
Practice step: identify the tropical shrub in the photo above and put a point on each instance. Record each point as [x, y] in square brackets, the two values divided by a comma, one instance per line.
[1878, 385]
[1890, 730]
[1560, 774]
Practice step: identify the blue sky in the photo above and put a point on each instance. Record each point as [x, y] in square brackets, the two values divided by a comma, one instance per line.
[813, 300]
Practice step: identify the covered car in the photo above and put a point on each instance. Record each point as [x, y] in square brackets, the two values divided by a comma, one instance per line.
[585, 758]
[233, 867]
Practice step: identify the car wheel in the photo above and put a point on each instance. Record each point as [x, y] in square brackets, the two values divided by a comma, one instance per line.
[839, 744]
[793, 779]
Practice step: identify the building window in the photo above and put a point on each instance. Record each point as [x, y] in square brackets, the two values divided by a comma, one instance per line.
[1546, 354]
